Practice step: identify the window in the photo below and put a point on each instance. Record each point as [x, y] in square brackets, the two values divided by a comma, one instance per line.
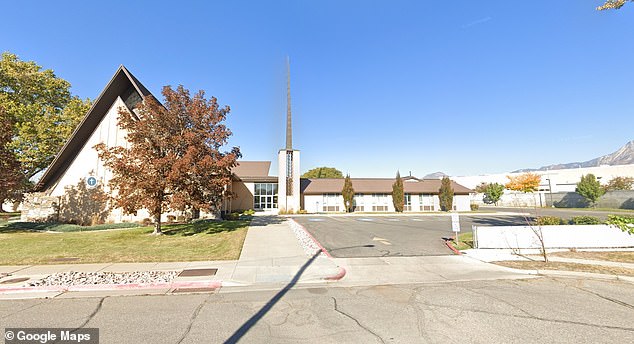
[331, 202]
[426, 202]
[379, 202]
[408, 202]
[265, 196]
[357, 202]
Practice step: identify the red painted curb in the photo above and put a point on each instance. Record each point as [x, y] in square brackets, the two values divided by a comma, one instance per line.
[338, 276]
[450, 245]
[131, 286]
[312, 238]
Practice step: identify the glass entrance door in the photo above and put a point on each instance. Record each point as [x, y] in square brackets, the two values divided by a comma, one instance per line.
[265, 196]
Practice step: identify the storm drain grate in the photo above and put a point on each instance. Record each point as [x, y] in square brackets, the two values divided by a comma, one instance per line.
[194, 290]
[15, 280]
[198, 272]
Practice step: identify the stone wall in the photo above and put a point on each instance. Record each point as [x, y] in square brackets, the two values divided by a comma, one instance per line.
[37, 206]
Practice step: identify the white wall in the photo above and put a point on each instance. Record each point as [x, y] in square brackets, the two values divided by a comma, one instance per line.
[560, 180]
[568, 236]
[87, 161]
[315, 203]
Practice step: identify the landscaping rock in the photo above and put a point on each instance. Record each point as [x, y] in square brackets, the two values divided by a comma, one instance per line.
[93, 278]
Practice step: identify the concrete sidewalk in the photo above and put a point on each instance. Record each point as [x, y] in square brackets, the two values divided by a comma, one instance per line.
[271, 254]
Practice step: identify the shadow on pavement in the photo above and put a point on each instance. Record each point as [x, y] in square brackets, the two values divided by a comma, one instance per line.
[501, 221]
[265, 220]
[235, 337]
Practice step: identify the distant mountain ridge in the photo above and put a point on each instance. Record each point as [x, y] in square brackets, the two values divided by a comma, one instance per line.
[623, 156]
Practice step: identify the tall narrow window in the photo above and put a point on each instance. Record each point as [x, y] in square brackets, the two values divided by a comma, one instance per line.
[289, 173]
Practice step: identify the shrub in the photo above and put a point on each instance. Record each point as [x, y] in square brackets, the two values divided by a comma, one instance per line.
[475, 206]
[549, 221]
[146, 221]
[625, 223]
[302, 211]
[171, 218]
[231, 216]
[248, 212]
[585, 220]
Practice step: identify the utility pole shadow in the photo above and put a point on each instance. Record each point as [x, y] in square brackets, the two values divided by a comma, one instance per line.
[235, 337]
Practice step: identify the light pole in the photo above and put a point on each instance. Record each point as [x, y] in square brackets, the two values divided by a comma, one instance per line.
[550, 191]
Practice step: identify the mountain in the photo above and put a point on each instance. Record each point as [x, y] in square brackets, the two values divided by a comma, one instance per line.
[623, 156]
[435, 175]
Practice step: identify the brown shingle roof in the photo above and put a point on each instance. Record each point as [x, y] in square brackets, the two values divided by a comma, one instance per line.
[252, 169]
[377, 185]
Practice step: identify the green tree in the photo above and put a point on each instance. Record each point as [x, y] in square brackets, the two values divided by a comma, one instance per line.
[42, 109]
[398, 196]
[445, 194]
[612, 4]
[348, 194]
[174, 159]
[323, 172]
[12, 179]
[590, 188]
[620, 183]
[493, 192]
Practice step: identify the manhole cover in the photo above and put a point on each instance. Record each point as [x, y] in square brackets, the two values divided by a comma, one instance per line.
[193, 290]
[198, 272]
[64, 259]
[15, 280]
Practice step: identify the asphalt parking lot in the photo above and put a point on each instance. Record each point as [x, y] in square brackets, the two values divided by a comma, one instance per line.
[381, 236]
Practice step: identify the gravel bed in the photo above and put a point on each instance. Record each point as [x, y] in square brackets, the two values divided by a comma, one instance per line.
[92, 278]
[305, 240]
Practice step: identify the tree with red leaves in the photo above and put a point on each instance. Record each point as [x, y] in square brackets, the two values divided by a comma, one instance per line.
[174, 160]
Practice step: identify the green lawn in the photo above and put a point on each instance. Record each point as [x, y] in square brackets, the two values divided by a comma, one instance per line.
[466, 241]
[204, 240]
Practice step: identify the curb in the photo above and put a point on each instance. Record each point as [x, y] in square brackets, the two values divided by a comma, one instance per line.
[450, 245]
[311, 237]
[576, 274]
[338, 276]
[104, 287]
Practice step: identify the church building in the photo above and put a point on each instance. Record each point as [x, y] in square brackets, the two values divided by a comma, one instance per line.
[67, 189]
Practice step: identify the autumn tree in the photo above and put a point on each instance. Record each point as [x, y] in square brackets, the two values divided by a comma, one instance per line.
[174, 159]
[398, 196]
[612, 5]
[527, 182]
[323, 172]
[445, 194]
[590, 188]
[11, 175]
[620, 183]
[348, 194]
[493, 192]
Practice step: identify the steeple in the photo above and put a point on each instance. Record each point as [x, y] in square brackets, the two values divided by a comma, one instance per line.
[289, 128]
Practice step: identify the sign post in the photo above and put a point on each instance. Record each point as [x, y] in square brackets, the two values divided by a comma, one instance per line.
[455, 225]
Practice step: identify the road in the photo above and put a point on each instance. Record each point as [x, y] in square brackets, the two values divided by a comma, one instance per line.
[381, 236]
[541, 310]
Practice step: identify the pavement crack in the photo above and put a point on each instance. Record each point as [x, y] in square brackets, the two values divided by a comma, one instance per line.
[559, 321]
[93, 314]
[355, 320]
[193, 318]
[618, 302]
[22, 310]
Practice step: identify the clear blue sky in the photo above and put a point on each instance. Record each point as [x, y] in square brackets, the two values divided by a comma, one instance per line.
[464, 87]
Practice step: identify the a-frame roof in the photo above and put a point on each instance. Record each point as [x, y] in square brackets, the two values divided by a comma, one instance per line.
[120, 82]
